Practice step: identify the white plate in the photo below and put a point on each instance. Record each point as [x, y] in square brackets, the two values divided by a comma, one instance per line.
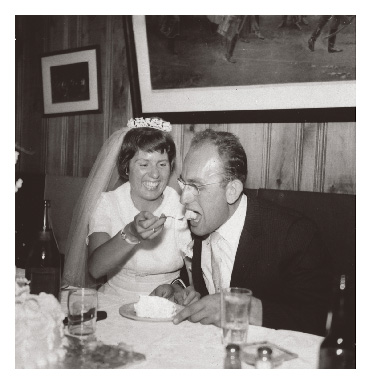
[128, 311]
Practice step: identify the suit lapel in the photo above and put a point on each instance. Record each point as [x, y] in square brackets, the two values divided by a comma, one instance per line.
[246, 250]
[248, 244]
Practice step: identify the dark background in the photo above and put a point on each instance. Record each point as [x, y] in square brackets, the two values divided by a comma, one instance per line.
[70, 82]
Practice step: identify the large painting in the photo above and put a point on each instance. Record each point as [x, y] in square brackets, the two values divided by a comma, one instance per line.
[244, 63]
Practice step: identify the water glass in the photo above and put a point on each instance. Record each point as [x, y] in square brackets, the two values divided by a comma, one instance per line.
[82, 311]
[235, 314]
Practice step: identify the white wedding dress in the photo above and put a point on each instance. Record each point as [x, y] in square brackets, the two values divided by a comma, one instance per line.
[151, 263]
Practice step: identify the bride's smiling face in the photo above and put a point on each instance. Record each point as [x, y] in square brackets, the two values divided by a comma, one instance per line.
[149, 174]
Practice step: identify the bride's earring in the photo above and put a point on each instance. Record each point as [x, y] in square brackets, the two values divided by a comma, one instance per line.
[126, 172]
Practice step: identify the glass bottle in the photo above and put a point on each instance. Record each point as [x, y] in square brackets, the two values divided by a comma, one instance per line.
[264, 358]
[43, 265]
[337, 350]
[232, 357]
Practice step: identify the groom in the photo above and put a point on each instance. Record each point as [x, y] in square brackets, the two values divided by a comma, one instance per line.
[240, 241]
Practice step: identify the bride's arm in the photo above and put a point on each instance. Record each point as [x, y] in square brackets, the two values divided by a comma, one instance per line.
[107, 253]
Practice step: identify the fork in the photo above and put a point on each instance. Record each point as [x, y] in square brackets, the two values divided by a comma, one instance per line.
[172, 217]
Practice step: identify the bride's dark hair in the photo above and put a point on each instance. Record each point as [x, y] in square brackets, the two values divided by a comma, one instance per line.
[147, 140]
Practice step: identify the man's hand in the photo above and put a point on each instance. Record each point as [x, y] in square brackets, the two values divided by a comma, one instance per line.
[207, 311]
[204, 311]
[186, 296]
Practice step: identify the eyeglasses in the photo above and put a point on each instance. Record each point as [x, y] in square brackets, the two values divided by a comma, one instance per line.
[194, 189]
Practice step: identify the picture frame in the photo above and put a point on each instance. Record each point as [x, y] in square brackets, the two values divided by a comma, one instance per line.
[286, 102]
[71, 81]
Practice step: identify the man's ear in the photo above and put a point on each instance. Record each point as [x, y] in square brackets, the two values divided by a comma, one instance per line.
[233, 191]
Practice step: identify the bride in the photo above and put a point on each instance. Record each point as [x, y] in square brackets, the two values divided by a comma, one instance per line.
[134, 235]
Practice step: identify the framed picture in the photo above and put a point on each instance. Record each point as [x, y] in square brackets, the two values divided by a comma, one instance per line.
[71, 81]
[180, 70]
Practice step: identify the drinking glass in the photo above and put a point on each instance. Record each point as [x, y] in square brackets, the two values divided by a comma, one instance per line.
[82, 311]
[235, 313]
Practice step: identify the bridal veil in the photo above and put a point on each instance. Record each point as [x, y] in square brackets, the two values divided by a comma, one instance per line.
[103, 177]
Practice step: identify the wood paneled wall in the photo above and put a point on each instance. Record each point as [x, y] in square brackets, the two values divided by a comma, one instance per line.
[297, 157]
[302, 156]
[68, 145]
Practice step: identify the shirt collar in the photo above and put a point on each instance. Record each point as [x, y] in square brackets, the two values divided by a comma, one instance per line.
[232, 228]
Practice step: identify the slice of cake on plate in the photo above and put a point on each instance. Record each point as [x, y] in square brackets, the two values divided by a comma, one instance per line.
[155, 307]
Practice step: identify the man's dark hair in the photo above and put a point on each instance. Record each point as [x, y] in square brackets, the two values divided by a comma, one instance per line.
[147, 140]
[230, 151]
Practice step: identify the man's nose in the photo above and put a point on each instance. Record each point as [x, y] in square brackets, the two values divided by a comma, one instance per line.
[187, 196]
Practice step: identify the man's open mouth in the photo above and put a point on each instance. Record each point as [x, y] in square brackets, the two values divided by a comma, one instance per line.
[192, 216]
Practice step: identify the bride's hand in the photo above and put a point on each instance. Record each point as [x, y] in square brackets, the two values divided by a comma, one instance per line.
[146, 226]
[165, 290]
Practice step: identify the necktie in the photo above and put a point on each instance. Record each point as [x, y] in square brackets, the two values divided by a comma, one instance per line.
[215, 268]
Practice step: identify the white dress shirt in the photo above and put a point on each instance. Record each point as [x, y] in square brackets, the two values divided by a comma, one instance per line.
[230, 231]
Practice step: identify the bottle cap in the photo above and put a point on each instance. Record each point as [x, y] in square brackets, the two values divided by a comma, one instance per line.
[232, 348]
[264, 352]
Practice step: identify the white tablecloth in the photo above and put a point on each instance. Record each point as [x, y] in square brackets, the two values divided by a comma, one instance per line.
[189, 345]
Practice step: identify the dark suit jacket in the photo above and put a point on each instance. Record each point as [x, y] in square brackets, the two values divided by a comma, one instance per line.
[281, 258]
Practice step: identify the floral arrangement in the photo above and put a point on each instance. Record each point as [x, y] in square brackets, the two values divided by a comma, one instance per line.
[150, 122]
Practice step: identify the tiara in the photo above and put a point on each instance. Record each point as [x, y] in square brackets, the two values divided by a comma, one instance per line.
[150, 122]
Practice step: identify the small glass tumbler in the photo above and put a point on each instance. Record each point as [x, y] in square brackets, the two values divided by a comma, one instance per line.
[82, 311]
[235, 314]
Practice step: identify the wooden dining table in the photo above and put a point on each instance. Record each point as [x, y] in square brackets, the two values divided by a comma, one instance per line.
[190, 345]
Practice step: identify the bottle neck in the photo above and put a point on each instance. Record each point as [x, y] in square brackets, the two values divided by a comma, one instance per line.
[45, 235]
[338, 318]
[46, 220]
